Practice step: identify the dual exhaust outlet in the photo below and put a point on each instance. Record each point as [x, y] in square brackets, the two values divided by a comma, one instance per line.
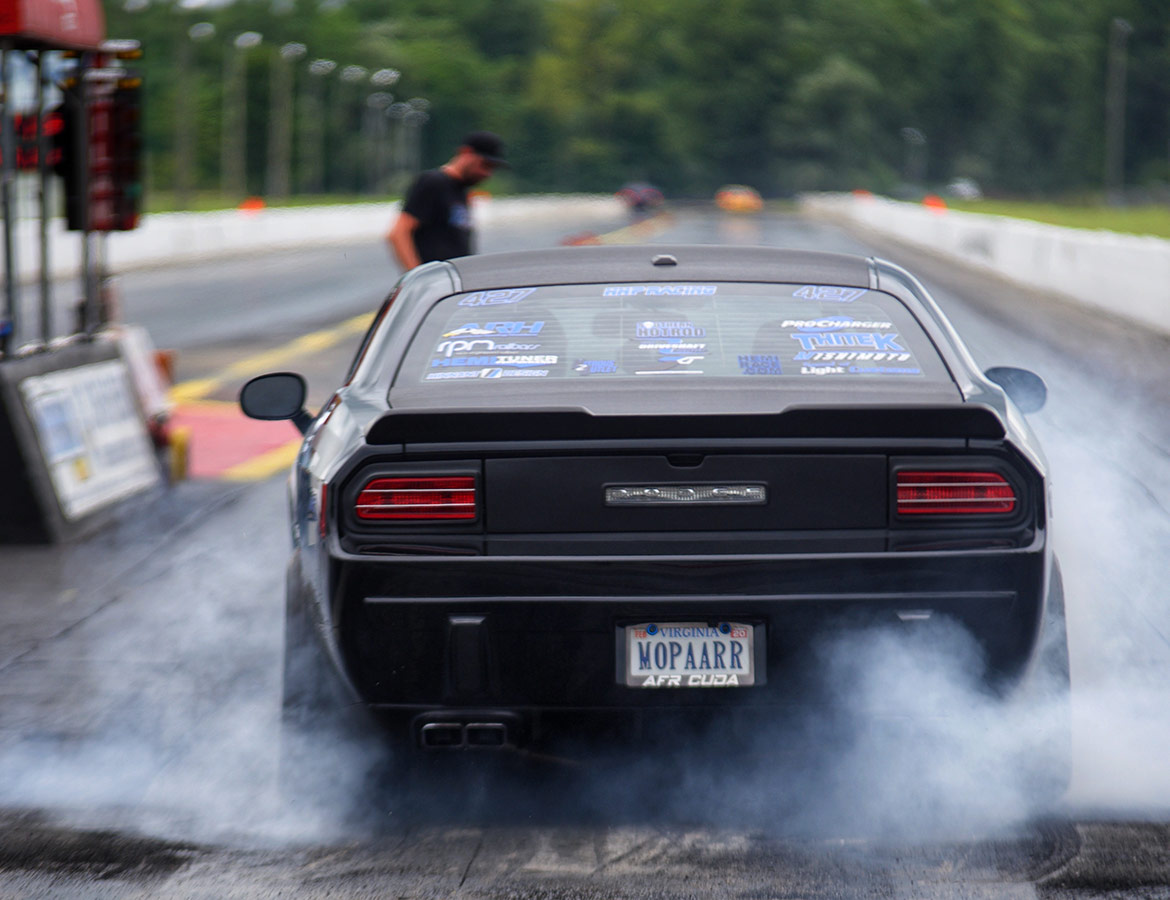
[452, 734]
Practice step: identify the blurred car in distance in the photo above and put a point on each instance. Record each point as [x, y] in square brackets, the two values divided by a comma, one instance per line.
[965, 189]
[738, 198]
[641, 198]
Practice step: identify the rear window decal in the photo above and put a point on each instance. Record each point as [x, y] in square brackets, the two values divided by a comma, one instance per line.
[832, 323]
[486, 373]
[596, 366]
[668, 330]
[519, 360]
[851, 356]
[742, 330]
[828, 293]
[494, 298]
[472, 328]
[513, 373]
[660, 290]
[886, 342]
[481, 345]
[673, 347]
[884, 370]
[760, 364]
[447, 376]
[830, 369]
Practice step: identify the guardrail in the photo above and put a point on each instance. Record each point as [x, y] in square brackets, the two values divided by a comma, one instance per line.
[1126, 275]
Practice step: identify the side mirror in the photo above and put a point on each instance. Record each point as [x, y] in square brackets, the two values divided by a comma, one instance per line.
[1027, 389]
[280, 395]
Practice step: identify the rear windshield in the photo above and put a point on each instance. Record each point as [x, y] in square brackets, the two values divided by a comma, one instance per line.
[670, 331]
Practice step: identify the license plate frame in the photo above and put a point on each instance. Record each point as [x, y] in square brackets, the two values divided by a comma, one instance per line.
[636, 643]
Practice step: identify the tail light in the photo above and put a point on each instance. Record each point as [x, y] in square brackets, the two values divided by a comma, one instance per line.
[954, 493]
[418, 497]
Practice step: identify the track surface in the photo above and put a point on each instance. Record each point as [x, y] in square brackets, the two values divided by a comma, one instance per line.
[139, 668]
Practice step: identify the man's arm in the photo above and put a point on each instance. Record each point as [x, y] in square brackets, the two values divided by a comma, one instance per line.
[400, 237]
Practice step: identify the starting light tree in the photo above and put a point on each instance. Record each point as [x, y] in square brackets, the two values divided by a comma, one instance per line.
[99, 143]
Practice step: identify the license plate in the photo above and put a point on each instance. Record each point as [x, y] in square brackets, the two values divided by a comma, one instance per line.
[689, 655]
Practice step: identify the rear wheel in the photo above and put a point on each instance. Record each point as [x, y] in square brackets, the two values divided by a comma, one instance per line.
[331, 747]
[1044, 703]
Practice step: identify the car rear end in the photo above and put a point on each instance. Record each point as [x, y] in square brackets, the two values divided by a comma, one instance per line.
[610, 502]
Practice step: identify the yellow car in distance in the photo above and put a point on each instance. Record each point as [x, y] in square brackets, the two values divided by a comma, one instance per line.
[738, 198]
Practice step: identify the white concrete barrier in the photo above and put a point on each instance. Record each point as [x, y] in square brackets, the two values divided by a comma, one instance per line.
[165, 238]
[1128, 275]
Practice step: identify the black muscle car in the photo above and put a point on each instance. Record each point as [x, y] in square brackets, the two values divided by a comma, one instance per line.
[574, 486]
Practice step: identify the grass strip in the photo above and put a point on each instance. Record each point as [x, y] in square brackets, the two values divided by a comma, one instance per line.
[1152, 219]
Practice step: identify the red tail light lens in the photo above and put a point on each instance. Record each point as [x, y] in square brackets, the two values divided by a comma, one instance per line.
[446, 497]
[954, 493]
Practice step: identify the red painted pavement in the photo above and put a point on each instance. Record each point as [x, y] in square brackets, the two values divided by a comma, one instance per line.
[222, 437]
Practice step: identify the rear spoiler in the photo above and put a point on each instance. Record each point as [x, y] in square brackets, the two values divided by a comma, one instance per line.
[461, 426]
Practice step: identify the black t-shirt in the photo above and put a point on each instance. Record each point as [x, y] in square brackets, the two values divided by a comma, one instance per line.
[439, 202]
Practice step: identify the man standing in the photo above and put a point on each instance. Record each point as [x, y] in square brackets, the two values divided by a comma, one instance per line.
[434, 222]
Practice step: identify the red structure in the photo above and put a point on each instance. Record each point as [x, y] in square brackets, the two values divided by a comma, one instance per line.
[73, 435]
[27, 139]
[52, 24]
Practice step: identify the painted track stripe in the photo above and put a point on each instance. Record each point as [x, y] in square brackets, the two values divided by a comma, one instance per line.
[316, 341]
[192, 391]
[265, 464]
[225, 444]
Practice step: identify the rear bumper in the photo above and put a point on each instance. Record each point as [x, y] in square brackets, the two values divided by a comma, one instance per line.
[543, 635]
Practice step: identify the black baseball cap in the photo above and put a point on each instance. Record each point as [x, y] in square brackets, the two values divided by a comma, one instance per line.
[488, 145]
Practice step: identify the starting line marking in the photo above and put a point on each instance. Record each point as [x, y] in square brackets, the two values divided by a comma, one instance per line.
[224, 443]
[265, 464]
[314, 342]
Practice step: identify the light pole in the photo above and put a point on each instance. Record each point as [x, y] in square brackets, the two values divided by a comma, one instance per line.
[1119, 32]
[347, 154]
[374, 128]
[416, 117]
[915, 155]
[313, 132]
[377, 128]
[280, 119]
[185, 121]
[234, 143]
[396, 113]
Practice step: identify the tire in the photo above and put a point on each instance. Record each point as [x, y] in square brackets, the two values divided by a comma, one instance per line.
[1044, 702]
[331, 747]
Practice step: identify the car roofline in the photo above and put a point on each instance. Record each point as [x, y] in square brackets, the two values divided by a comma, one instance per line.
[639, 263]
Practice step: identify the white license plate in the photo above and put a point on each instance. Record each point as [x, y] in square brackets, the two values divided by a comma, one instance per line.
[689, 655]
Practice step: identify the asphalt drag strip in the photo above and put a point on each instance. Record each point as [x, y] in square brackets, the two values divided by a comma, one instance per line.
[140, 694]
[139, 745]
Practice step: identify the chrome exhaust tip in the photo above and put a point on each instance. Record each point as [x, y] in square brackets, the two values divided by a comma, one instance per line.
[455, 729]
[441, 735]
[486, 734]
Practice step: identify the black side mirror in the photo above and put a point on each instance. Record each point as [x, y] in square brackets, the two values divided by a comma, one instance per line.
[1027, 389]
[280, 395]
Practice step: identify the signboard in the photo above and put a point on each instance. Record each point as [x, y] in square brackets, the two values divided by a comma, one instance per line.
[90, 435]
